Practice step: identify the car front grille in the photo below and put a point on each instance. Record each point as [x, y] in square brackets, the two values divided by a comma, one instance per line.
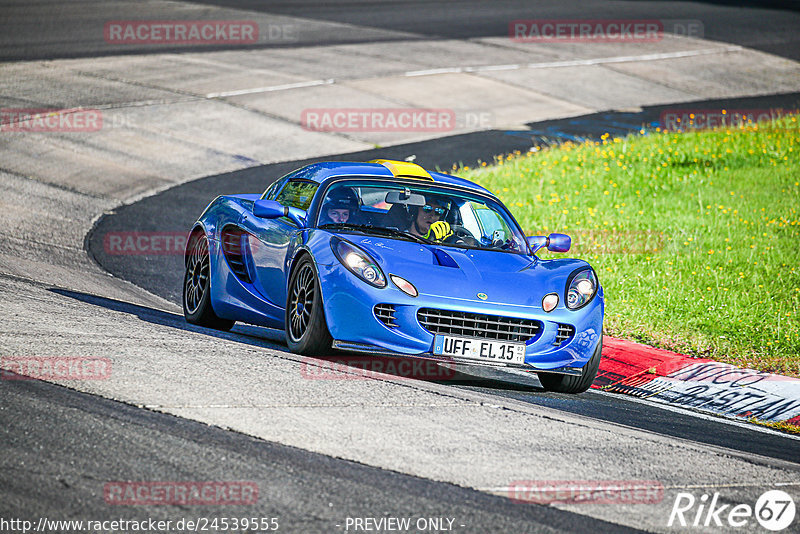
[385, 314]
[565, 332]
[456, 323]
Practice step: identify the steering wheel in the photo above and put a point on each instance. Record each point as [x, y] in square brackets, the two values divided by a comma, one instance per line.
[462, 236]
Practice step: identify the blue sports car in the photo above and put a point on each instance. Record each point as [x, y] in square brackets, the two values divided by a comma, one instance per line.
[387, 258]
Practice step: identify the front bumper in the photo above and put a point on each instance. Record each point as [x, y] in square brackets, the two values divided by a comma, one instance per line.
[349, 309]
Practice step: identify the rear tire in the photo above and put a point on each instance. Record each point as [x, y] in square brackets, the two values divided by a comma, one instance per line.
[574, 384]
[197, 286]
[306, 329]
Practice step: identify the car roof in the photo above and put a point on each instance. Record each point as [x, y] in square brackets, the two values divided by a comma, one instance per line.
[382, 168]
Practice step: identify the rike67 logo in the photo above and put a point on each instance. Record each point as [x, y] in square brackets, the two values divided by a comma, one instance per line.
[774, 510]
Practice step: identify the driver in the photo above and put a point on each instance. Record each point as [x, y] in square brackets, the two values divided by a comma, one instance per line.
[427, 221]
[339, 206]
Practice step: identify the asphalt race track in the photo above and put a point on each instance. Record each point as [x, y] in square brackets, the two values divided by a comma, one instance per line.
[190, 404]
[305, 491]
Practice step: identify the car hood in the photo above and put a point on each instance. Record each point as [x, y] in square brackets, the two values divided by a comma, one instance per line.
[442, 271]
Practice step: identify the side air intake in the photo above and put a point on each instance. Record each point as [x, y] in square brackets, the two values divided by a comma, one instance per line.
[234, 245]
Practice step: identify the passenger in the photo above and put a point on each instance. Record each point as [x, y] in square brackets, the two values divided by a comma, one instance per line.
[339, 207]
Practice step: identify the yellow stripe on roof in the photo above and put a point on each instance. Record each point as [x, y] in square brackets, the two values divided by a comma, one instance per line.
[404, 169]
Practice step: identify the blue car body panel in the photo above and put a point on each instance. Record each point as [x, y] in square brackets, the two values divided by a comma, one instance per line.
[250, 284]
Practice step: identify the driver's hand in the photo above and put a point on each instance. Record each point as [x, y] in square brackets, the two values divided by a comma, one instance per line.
[439, 231]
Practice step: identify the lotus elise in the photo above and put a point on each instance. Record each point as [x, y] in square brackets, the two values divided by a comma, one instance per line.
[387, 258]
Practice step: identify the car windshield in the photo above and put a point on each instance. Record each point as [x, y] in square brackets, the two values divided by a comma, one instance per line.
[421, 213]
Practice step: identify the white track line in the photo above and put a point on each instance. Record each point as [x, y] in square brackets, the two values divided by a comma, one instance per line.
[697, 412]
[579, 62]
[271, 88]
[507, 489]
[446, 70]
[494, 68]
[699, 415]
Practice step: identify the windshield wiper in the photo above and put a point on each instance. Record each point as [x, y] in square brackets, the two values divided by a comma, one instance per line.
[341, 226]
[367, 228]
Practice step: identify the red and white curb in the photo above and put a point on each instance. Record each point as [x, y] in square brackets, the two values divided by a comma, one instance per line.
[699, 384]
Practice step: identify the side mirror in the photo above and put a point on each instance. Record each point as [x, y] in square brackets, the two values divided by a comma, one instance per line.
[272, 209]
[269, 209]
[553, 242]
[558, 242]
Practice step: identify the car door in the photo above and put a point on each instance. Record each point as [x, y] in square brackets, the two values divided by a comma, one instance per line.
[269, 239]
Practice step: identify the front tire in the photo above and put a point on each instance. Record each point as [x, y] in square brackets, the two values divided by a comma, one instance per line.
[574, 384]
[306, 329]
[197, 286]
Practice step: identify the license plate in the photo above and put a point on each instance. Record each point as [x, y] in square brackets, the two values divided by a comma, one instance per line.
[483, 350]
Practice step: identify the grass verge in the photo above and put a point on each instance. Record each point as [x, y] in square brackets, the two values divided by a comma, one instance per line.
[695, 236]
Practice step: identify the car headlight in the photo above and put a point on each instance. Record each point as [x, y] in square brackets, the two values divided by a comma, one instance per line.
[358, 262]
[581, 288]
